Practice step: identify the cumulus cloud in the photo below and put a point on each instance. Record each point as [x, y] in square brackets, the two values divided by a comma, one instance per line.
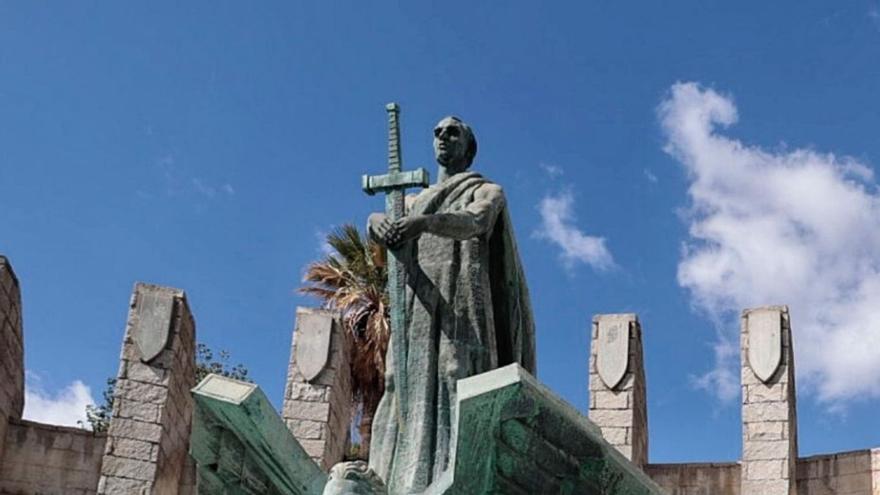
[64, 407]
[557, 226]
[791, 226]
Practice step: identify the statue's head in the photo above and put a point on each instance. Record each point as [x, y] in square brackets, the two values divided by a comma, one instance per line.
[455, 145]
[354, 478]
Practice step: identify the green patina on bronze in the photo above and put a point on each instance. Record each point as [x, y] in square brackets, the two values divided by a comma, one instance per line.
[393, 184]
[451, 421]
[242, 445]
[514, 436]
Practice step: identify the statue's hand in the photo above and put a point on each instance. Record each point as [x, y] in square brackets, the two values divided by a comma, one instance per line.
[394, 233]
[375, 227]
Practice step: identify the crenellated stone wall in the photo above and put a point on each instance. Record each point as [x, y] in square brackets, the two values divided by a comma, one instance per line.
[697, 478]
[148, 437]
[11, 349]
[619, 409]
[317, 397]
[845, 473]
[769, 414]
[145, 449]
[47, 459]
[770, 463]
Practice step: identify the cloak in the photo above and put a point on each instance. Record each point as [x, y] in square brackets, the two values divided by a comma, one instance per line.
[467, 312]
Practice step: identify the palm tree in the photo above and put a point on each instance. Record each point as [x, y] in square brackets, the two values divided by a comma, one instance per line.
[352, 280]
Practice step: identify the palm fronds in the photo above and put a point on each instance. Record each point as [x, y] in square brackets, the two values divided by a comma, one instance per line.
[352, 280]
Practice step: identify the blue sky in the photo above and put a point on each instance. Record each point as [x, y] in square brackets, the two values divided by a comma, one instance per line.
[678, 160]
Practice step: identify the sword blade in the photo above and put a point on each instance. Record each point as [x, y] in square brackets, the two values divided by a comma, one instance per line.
[396, 284]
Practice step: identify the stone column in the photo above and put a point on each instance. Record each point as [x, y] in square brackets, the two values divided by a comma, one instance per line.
[768, 403]
[11, 350]
[875, 471]
[618, 403]
[317, 398]
[148, 437]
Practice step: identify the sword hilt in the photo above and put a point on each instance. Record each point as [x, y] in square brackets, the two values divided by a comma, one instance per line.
[393, 137]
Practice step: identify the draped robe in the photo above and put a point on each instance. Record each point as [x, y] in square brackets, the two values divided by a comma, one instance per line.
[467, 312]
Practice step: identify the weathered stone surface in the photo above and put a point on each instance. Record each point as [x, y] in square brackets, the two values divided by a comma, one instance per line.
[313, 347]
[150, 424]
[11, 349]
[47, 459]
[765, 430]
[769, 425]
[765, 342]
[306, 429]
[612, 357]
[624, 405]
[326, 400]
[697, 478]
[152, 325]
[762, 450]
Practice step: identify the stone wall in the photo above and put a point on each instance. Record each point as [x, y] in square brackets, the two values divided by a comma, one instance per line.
[768, 403]
[847, 473]
[620, 410]
[721, 478]
[317, 398]
[45, 459]
[148, 437]
[11, 349]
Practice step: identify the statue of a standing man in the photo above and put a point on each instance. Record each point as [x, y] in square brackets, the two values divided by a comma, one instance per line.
[467, 308]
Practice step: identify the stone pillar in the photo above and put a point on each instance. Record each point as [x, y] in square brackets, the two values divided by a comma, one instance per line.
[875, 471]
[317, 398]
[148, 437]
[768, 403]
[618, 403]
[11, 350]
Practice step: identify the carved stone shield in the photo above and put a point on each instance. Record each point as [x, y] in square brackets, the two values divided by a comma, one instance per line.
[312, 343]
[612, 355]
[153, 324]
[765, 342]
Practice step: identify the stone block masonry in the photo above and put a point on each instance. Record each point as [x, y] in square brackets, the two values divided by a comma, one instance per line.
[148, 437]
[769, 419]
[317, 398]
[11, 350]
[620, 409]
[48, 460]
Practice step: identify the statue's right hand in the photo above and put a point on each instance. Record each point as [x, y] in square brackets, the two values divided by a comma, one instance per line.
[379, 227]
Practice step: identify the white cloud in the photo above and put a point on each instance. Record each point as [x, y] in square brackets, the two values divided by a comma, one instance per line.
[794, 227]
[323, 247]
[557, 226]
[553, 171]
[64, 407]
[202, 188]
[650, 176]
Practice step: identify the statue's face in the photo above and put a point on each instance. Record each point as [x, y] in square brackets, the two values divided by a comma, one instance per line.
[450, 144]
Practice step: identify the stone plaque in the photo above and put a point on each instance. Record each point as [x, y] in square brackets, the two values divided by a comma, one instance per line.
[313, 343]
[612, 353]
[153, 325]
[765, 342]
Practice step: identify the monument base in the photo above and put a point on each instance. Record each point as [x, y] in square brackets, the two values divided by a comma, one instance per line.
[512, 436]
